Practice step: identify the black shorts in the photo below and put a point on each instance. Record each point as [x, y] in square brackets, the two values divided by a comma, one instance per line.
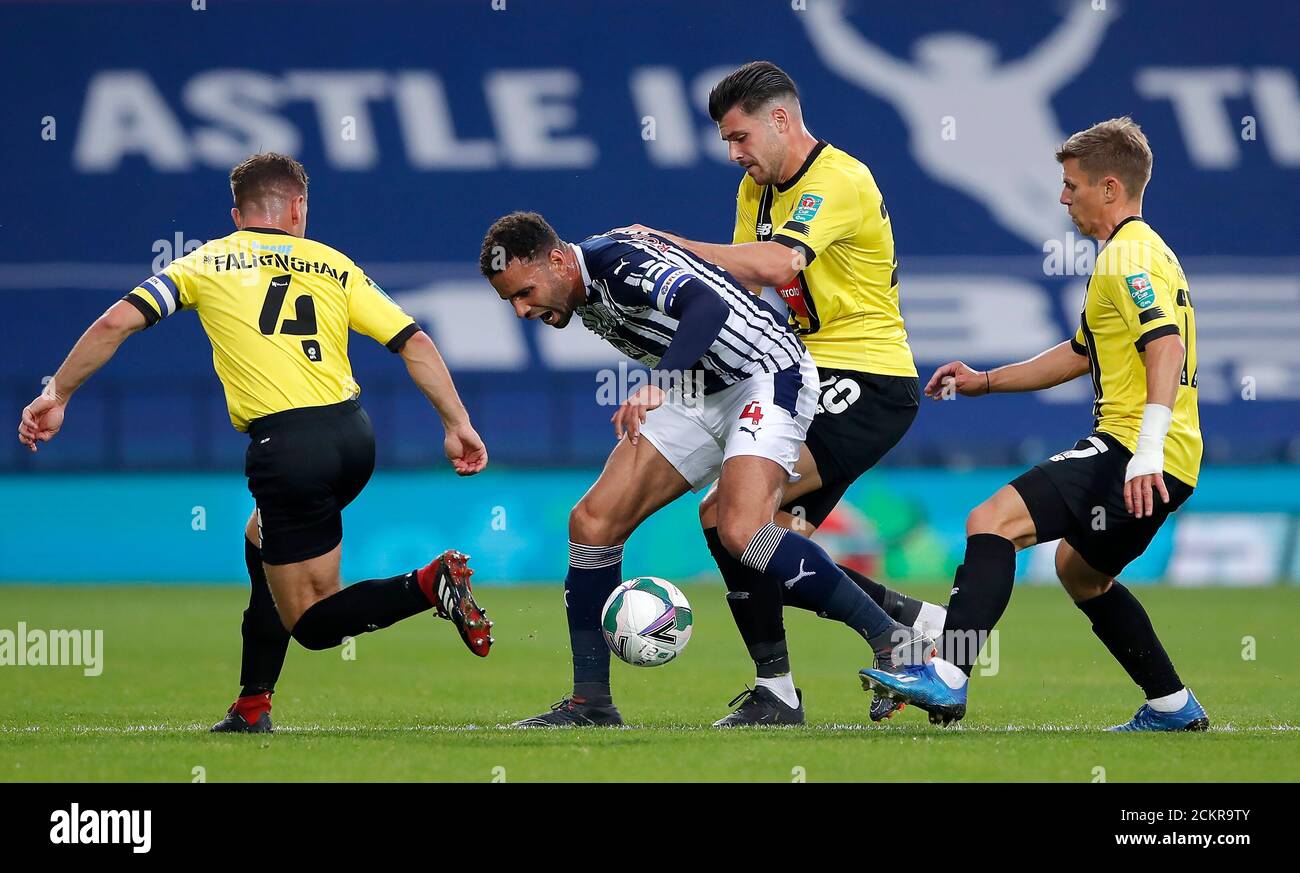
[303, 466]
[1078, 496]
[860, 417]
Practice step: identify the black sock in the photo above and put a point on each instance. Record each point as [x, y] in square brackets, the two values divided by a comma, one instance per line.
[755, 601]
[365, 606]
[265, 639]
[594, 571]
[980, 594]
[1121, 623]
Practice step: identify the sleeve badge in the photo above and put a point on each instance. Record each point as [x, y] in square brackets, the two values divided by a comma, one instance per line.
[807, 208]
[1140, 289]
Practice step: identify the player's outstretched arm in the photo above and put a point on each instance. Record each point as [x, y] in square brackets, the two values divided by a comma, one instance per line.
[1164, 365]
[43, 417]
[1060, 363]
[753, 264]
[463, 446]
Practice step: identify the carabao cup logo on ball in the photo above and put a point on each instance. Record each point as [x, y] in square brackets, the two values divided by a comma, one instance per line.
[647, 621]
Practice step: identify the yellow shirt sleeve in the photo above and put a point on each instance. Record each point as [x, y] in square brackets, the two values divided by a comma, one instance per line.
[167, 292]
[373, 313]
[1143, 296]
[827, 209]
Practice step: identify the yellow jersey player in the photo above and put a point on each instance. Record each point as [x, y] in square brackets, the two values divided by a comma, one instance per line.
[277, 308]
[1105, 498]
[812, 224]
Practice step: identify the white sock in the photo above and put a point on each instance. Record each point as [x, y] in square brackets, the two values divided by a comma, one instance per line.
[949, 672]
[783, 687]
[1170, 702]
[930, 620]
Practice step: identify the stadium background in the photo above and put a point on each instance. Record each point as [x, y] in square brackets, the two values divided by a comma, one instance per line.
[416, 138]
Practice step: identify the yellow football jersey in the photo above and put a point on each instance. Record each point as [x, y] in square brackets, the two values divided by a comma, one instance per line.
[1137, 293]
[276, 309]
[844, 303]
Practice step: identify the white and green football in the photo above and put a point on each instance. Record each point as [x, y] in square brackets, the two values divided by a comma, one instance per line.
[647, 621]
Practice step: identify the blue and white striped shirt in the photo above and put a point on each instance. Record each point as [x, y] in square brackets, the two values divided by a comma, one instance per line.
[635, 284]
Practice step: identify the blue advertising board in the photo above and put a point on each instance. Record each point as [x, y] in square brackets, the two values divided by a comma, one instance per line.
[421, 122]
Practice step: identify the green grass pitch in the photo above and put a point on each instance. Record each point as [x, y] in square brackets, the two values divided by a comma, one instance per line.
[415, 705]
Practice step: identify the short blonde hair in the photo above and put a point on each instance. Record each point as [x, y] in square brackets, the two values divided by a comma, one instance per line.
[1117, 147]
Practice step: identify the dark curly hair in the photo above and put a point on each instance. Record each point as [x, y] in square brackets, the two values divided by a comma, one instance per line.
[521, 235]
[750, 87]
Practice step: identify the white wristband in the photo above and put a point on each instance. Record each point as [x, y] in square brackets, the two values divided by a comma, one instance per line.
[1149, 457]
[1155, 424]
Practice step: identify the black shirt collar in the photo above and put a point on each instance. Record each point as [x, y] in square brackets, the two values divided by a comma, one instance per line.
[1121, 224]
[266, 230]
[799, 174]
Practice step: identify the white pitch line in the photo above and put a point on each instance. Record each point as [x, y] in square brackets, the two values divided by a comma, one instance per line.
[815, 729]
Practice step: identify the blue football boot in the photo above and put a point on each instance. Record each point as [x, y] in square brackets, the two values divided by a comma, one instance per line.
[923, 687]
[1191, 717]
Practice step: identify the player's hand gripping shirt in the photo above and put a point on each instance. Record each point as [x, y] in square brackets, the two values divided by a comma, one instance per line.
[844, 302]
[636, 287]
[276, 309]
[1137, 293]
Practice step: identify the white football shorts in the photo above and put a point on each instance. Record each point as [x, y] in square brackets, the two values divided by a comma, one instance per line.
[766, 415]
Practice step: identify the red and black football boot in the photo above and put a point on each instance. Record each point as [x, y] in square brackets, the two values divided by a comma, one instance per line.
[247, 715]
[445, 581]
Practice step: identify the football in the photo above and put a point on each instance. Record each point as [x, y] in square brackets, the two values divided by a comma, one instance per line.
[647, 621]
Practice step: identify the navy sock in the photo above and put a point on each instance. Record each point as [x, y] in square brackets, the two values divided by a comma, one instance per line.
[265, 640]
[594, 571]
[797, 563]
[897, 605]
[980, 594]
[364, 606]
[1120, 622]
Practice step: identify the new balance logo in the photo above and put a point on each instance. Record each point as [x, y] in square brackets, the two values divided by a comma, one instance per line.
[789, 583]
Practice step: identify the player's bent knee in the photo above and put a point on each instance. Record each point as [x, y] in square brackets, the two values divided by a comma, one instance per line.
[1078, 577]
[1082, 586]
[997, 517]
[593, 528]
[736, 535]
[984, 519]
